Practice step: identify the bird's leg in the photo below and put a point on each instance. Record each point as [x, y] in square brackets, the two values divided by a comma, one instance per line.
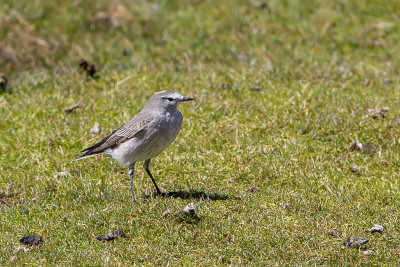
[131, 171]
[146, 167]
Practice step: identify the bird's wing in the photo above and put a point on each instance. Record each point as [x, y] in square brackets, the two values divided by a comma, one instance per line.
[136, 127]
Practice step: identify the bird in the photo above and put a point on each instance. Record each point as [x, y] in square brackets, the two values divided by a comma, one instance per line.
[145, 136]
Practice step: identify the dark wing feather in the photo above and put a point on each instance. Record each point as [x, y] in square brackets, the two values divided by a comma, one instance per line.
[134, 128]
[102, 141]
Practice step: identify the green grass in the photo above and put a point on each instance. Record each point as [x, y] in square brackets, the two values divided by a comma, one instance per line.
[320, 65]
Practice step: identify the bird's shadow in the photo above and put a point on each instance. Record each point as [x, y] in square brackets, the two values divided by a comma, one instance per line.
[193, 194]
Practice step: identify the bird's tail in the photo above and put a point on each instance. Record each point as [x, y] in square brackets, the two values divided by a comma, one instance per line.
[85, 156]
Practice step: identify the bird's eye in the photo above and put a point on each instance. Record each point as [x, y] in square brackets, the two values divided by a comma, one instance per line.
[170, 99]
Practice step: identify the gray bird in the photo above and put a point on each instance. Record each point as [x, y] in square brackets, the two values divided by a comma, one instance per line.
[145, 136]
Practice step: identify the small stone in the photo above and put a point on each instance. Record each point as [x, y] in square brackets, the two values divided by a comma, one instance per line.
[111, 235]
[367, 252]
[33, 240]
[355, 168]
[252, 190]
[334, 232]
[355, 145]
[96, 129]
[355, 242]
[189, 209]
[72, 108]
[377, 228]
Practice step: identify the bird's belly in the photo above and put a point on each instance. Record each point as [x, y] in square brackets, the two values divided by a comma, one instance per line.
[154, 141]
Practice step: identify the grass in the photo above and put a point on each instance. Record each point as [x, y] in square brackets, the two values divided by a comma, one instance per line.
[320, 65]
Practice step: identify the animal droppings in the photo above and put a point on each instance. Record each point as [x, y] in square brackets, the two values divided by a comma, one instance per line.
[33, 240]
[88, 67]
[377, 228]
[111, 235]
[355, 242]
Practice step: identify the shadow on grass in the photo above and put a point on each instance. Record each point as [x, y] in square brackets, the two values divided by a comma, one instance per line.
[194, 194]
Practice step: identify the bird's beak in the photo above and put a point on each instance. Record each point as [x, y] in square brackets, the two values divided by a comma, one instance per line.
[186, 99]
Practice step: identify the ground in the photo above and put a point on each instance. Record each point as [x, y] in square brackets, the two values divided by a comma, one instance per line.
[282, 89]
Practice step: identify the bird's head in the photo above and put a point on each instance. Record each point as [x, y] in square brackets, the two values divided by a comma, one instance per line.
[168, 100]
